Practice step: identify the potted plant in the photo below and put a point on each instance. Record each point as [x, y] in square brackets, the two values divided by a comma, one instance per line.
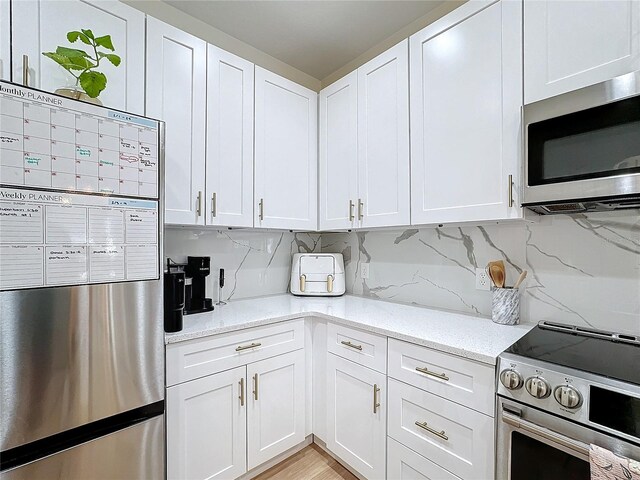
[83, 65]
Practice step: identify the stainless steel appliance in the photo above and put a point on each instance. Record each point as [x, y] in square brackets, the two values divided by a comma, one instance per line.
[582, 149]
[560, 389]
[81, 300]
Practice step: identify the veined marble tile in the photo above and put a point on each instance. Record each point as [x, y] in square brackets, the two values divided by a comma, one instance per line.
[256, 263]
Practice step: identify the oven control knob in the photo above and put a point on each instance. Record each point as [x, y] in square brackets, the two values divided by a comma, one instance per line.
[511, 379]
[537, 387]
[567, 396]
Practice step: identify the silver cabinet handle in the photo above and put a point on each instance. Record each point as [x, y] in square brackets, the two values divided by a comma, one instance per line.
[351, 215]
[214, 205]
[255, 386]
[516, 422]
[376, 403]
[247, 347]
[351, 345]
[261, 209]
[241, 397]
[510, 191]
[360, 209]
[426, 427]
[25, 70]
[426, 371]
[199, 204]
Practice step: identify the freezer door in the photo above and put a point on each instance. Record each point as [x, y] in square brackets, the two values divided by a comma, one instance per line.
[137, 452]
[74, 355]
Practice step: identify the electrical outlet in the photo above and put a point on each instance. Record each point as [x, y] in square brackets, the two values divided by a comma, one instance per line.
[483, 282]
[364, 271]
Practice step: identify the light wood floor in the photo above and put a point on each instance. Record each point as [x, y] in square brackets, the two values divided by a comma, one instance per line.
[310, 463]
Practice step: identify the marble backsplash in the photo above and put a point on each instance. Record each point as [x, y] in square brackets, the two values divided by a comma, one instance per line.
[583, 270]
[256, 263]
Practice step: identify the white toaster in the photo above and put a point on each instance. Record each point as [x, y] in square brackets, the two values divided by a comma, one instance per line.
[317, 274]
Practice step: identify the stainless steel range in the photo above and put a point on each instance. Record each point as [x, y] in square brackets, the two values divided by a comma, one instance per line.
[560, 389]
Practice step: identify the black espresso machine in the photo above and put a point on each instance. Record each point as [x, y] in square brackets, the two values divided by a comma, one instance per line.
[185, 290]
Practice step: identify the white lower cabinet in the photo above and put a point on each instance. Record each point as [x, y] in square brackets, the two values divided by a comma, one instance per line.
[275, 406]
[405, 464]
[356, 416]
[206, 427]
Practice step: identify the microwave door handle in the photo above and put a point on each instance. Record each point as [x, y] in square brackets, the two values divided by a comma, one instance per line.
[580, 448]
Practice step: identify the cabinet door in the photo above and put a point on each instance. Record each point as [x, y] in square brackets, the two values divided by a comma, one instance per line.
[5, 41]
[339, 154]
[286, 154]
[383, 139]
[206, 427]
[466, 97]
[41, 25]
[276, 406]
[229, 164]
[573, 44]
[405, 464]
[356, 416]
[176, 93]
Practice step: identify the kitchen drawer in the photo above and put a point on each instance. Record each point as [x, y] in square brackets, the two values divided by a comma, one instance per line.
[460, 380]
[405, 464]
[364, 348]
[454, 437]
[205, 356]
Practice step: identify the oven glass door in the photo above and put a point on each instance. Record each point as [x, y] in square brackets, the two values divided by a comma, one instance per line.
[597, 142]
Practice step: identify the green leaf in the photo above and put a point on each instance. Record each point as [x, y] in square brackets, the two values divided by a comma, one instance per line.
[93, 83]
[112, 57]
[105, 41]
[62, 60]
[82, 63]
[71, 52]
[75, 35]
[88, 33]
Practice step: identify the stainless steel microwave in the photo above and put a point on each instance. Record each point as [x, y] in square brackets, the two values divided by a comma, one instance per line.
[582, 149]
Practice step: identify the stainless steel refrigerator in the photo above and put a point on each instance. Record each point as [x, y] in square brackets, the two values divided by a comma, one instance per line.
[81, 310]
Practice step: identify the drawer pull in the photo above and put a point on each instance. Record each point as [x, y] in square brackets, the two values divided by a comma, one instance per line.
[376, 403]
[246, 347]
[426, 371]
[241, 392]
[255, 386]
[351, 345]
[426, 427]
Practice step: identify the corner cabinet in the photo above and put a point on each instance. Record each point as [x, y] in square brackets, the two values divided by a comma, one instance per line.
[466, 128]
[229, 159]
[285, 153]
[364, 145]
[52, 20]
[176, 93]
[570, 45]
[5, 41]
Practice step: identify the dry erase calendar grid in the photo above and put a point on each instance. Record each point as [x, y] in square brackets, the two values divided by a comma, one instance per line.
[52, 239]
[54, 147]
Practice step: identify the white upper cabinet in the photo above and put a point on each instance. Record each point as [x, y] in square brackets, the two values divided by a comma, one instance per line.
[383, 139]
[41, 25]
[5, 41]
[285, 153]
[466, 98]
[229, 162]
[176, 93]
[573, 44]
[339, 154]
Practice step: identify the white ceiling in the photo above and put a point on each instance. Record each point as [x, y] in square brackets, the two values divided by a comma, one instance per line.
[317, 37]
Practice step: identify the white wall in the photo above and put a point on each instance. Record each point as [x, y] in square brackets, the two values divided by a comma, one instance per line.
[583, 270]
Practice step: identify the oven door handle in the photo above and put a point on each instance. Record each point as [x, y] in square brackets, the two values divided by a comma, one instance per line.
[517, 422]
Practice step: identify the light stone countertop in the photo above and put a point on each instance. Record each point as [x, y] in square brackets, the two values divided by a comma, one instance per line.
[476, 338]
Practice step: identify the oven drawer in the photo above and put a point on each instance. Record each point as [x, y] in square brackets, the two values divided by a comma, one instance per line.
[405, 464]
[208, 355]
[454, 437]
[364, 348]
[449, 376]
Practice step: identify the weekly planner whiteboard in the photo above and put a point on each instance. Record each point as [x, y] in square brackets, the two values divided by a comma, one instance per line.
[79, 191]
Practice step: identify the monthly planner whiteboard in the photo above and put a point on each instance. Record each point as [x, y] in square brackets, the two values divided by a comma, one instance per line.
[79, 191]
